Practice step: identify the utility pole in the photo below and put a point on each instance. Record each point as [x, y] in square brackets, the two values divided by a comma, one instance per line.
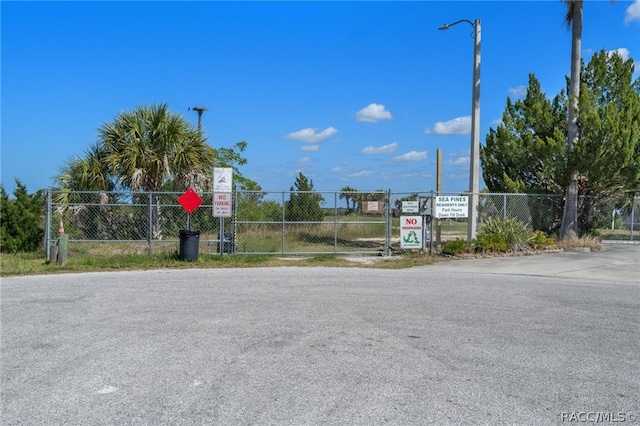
[199, 110]
[438, 191]
[474, 168]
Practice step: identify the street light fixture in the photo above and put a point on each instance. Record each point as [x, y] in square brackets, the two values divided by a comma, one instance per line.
[474, 166]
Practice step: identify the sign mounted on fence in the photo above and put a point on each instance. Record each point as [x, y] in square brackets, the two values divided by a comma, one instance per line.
[222, 198]
[411, 232]
[452, 207]
[425, 206]
[222, 179]
[222, 204]
[190, 200]
[372, 207]
[410, 207]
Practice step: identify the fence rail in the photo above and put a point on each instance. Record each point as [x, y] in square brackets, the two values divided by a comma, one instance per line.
[288, 222]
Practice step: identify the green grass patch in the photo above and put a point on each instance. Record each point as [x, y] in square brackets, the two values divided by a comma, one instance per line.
[35, 264]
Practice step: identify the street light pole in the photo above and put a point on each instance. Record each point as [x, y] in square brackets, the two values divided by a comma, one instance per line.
[474, 161]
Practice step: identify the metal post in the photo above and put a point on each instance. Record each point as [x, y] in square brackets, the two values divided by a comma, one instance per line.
[431, 224]
[335, 222]
[47, 229]
[504, 206]
[474, 161]
[388, 222]
[633, 209]
[283, 222]
[234, 243]
[221, 244]
[150, 233]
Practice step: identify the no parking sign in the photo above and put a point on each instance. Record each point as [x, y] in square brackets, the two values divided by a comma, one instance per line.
[222, 184]
[222, 204]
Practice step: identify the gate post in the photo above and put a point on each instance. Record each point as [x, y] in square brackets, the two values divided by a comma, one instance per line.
[47, 227]
[388, 219]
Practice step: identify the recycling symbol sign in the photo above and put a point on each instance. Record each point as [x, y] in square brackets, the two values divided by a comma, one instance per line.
[411, 238]
[411, 232]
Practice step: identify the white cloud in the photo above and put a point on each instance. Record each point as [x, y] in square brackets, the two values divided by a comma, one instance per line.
[516, 92]
[309, 135]
[303, 161]
[623, 52]
[337, 170]
[362, 173]
[633, 12]
[460, 161]
[384, 149]
[457, 126]
[372, 113]
[310, 147]
[411, 156]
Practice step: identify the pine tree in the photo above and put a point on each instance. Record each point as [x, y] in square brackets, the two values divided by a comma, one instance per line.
[304, 203]
[21, 220]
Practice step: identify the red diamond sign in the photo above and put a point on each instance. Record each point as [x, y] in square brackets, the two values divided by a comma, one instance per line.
[190, 200]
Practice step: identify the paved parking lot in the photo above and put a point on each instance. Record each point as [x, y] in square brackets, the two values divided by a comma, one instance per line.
[452, 343]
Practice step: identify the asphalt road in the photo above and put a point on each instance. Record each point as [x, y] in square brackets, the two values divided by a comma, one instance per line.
[452, 343]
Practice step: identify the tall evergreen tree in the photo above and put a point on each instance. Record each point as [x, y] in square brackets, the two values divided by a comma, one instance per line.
[21, 220]
[527, 152]
[608, 153]
[304, 203]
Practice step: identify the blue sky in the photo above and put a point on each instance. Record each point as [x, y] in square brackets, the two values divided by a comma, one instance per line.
[358, 94]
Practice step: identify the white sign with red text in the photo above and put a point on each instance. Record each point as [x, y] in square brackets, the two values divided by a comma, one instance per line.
[411, 232]
[222, 202]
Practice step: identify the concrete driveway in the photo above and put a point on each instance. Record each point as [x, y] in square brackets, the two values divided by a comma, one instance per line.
[615, 262]
[453, 343]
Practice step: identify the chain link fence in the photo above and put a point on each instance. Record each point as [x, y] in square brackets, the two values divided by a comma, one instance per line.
[297, 222]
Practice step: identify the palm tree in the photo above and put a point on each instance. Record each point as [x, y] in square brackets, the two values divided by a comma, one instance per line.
[88, 172]
[150, 146]
[573, 18]
[143, 150]
[346, 193]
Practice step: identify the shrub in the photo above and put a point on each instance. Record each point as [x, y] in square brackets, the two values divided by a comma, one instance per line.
[493, 242]
[454, 247]
[539, 239]
[503, 235]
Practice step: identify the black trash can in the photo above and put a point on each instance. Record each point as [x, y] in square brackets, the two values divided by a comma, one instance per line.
[189, 244]
[228, 244]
